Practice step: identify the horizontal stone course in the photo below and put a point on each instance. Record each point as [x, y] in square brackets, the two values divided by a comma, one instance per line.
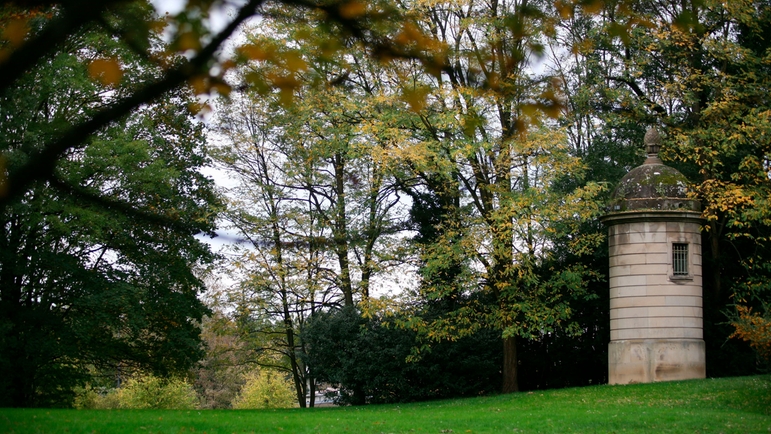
[656, 322]
[628, 291]
[657, 311]
[623, 280]
[657, 333]
[632, 249]
[641, 237]
[685, 289]
[643, 258]
[661, 300]
[657, 258]
[683, 228]
[636, 270]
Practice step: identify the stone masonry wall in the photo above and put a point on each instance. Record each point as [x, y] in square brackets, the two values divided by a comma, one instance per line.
[646, 300]
[655, 316]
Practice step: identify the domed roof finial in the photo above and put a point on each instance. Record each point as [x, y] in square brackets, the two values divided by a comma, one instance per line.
[652, 146]
[652, 142]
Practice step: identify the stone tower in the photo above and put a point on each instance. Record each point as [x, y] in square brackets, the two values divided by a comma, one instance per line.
[656, 325]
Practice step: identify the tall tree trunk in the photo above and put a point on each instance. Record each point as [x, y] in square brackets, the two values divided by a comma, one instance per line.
[311, 390]
[341, 231]
[358, 397]
[298, 379]
[510, 366]
[714, 244]
[500, 282]
[21, 364]
[371, 236]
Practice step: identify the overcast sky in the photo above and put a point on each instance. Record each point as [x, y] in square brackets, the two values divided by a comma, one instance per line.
[218, 18]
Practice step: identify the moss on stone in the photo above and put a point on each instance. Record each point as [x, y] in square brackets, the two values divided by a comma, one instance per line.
[653, 186]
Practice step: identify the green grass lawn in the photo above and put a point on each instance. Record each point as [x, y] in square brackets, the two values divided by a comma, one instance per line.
[736, 405]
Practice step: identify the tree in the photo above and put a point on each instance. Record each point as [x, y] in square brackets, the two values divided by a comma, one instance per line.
[222, 371]
[314, 201]
[460, 128]
[274, 294]
[481, 132]
[89, 283]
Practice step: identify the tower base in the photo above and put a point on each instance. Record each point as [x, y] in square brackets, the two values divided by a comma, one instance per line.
[650, 360]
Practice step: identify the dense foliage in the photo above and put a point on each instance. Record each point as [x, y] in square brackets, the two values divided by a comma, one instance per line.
[369, 358]
[97, 262]
[142, 392]
[266, 390]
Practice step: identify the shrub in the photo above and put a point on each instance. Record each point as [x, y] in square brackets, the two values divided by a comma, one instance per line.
[265, 389]
[157, 393]
[754, 328]
[86, 398]
[142, 392]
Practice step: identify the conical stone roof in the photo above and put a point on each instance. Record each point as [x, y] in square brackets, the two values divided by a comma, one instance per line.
[654, 185]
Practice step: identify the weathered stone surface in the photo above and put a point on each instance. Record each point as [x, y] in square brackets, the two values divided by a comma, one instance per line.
[645, 361]
[653, 186]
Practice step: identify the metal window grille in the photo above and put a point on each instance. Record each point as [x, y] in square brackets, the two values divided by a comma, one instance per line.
[680, 259]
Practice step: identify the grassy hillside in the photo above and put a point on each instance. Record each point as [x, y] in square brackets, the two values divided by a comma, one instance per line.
[728, 405]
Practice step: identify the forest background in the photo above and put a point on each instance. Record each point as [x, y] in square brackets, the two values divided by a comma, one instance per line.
[459, 153]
